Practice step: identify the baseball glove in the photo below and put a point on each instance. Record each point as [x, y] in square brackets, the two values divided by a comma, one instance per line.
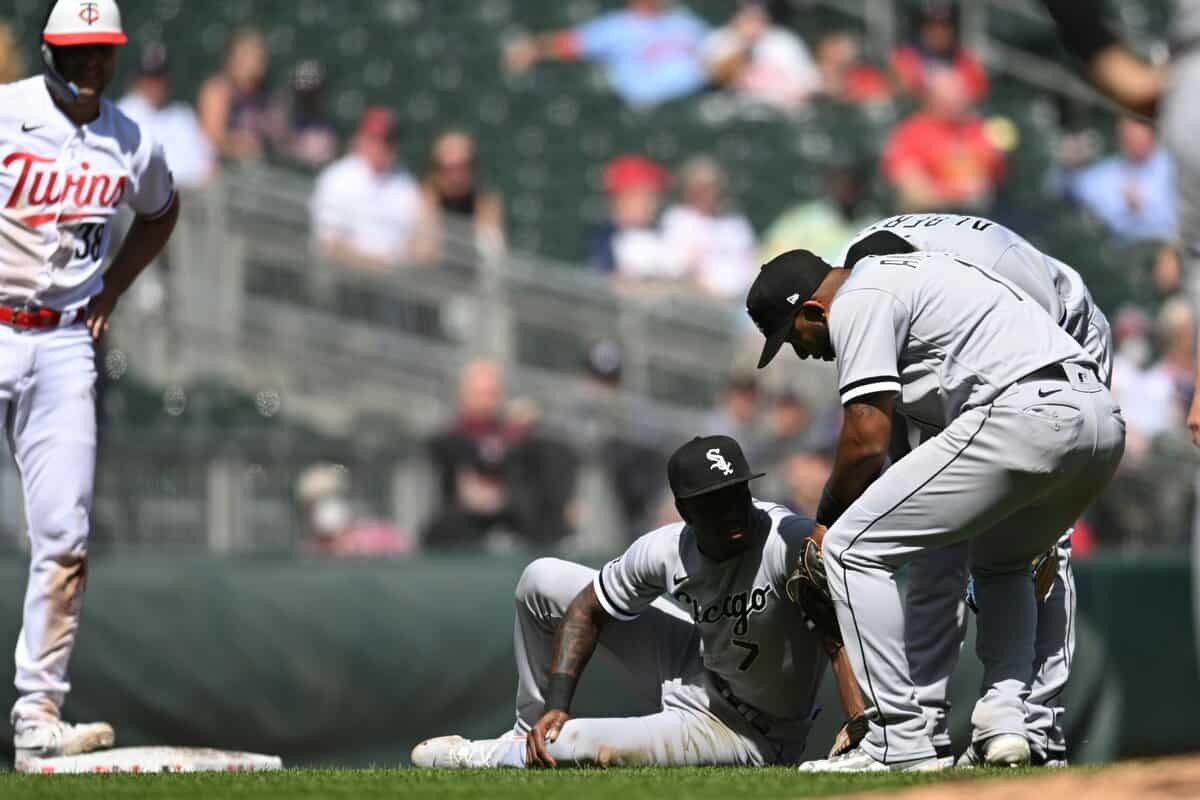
[808, 587]
[1045, 570]
[849, 736]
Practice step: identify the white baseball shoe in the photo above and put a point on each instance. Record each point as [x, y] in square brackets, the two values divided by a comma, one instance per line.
[858, 760]
[1002, 750]
[455, 752]
[51, 738]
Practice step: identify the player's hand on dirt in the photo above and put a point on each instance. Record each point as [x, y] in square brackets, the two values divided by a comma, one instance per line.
[99, 313]
[544, 732]
[1193, 420]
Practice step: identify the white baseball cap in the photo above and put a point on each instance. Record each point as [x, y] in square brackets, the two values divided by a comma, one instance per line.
[82, 22]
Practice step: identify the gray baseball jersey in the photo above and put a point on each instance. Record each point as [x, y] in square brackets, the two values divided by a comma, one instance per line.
[752, 635]
[1052, 284]
[946, 334]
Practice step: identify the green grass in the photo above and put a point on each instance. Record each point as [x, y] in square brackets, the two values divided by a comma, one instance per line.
[615, 784]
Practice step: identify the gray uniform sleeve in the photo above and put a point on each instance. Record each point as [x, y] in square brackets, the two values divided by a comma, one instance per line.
[779, 562]
[628, 584]
[867, 327]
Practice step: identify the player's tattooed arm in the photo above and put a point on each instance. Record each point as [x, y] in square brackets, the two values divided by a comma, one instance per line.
[861, 453]
[577, 634]
[574, 642]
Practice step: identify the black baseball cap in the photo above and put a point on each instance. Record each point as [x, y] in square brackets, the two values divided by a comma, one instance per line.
[706, 464]
[782, 286]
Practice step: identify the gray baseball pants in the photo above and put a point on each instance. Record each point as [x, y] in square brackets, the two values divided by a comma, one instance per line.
[935, 622]
[1009, 477]
[660, 652]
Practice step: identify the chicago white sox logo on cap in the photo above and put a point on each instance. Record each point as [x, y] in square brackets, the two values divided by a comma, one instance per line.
[719, 462]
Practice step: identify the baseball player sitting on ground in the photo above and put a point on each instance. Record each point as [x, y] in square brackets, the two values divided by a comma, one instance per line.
[935, 619]
[730, 655]
[68, 160]
[1027, 435]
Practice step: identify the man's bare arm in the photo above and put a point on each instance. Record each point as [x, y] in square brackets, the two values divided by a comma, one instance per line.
[861, 453]
[1128, 80]
[577, 634]
[848, 691]
[574, 642]
[1109, 65]
[855, 727]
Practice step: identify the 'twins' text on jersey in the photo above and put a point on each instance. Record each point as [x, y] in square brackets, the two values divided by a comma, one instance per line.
[60, 189]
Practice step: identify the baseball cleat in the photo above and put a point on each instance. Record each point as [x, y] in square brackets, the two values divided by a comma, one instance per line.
[945, 757]
[455, 752]
[1002, 750]
[858, 760]
[1055, 760]
[52, 738]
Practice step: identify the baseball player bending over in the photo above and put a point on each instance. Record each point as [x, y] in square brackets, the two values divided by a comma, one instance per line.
[704, 615]
[1028, 436]
[934, 615]
[68, 160]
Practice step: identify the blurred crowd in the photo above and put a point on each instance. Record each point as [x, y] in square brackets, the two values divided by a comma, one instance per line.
[669, 227]
[673, 228]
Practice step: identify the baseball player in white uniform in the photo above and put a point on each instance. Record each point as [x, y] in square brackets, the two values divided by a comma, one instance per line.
[701, 617]
[68, 160]
[935, 617]
[1026, 436]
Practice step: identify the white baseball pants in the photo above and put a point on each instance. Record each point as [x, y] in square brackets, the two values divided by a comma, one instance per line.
[47, 401]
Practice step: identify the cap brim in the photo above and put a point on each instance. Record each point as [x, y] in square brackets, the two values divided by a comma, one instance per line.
[718, 486]
[76, 39]
[774, 343]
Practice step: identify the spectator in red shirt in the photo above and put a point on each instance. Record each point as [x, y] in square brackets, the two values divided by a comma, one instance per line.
[938, 46]
[942, 156]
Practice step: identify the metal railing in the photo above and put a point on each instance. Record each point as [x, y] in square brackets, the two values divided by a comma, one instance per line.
[248, 301]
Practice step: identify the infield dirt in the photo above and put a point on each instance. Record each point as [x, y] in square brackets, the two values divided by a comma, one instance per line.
[1145, 780]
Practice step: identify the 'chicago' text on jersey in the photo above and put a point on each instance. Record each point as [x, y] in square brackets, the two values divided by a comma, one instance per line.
[737, 607]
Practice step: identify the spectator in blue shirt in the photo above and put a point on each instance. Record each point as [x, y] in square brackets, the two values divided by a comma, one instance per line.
[1131, 192]
[652, 50]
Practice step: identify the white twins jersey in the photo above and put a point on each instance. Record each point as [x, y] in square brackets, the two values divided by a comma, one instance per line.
[1055, 286]
[946, 334]
[753, 636]
[60, 187]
